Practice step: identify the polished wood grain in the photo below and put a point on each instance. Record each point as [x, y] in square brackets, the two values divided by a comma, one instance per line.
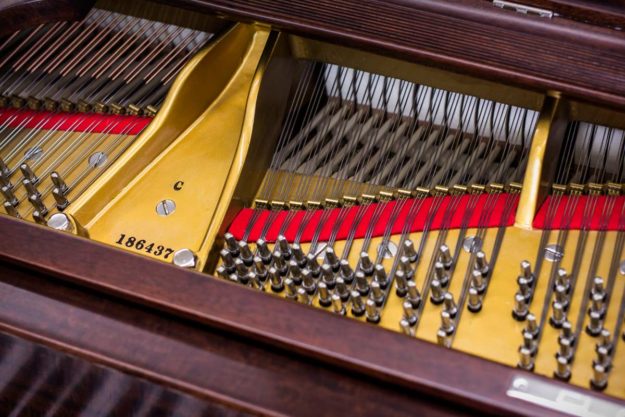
[345, 345]
[469, 36]
[232, 373]
[609, 13]
[22, 14]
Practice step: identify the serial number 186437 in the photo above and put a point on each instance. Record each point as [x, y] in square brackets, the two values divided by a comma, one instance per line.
[144, 245]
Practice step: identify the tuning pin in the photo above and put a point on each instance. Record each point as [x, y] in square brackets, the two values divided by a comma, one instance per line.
[31, 189]
[228, 260]
[341, 289]
[371, 311]
[291, 289]
[337, 304]
[450, 305]
[443, 338]
[595, 324]
[406, 328]
[254, 282]
[598, 288]
[379, 275]
[358, 305]
[377, 295]
[409, 313]
[562, 279]
[558, 315]
[478, 281]
[298, 255]
[275, 278]
[4, 169]
[346, 271]
[525, 288]
[566, 331]
[605, 340]
[283, 247]
[327, 276]
[444, 256]
[409, 251]
[531, 325]
[263, 251]
[39, 218]
[260, 267]
[313, 265]
[28, 173]
[401, 283]
[240, 268]
[222, 273]
[520, 310]
[5, 180]
[597, 304]
[526, 272]
[11, 210]
[406, 267]
[324, 294]
[526, 359]
[413, 295]
[481, 264]
[366, 266]
[308, 282]
[437, 294]
[295, 272]
[61, 201]
[231, 244]
[332, 259]
[603, 357]
[279, 263]
[561, 296]
[303, 296]
[59, 183]
[9, 196]
[474, 304]
[565, 349]
[361, 283]
[447, 322]
[529, 343]
[563, 369]
[440, 274]
[599, 379]
[246, 253]
[35, 200]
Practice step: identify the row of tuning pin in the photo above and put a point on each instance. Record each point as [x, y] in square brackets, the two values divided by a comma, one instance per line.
[30, 181]
[334, 282]
[558, 319]
[478, 284]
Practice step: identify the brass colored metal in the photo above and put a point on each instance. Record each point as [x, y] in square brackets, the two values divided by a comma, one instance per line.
[134, 110]
[440, 190]
[117, 109]
[33, 103]
[296, 205]
[577, 189]
[331, 203]
[595, 188]
[477, 188]
[497, 188]
[313, 205]
[49, 104]
[150, 111]
[261, 204]
[83, 106]
[404, 193]
[349, 201]
[100, 108]
[17, 102]
[614, 188]
[66, 105]
[385, 196]
[368, 199]
[541, 164]
[459, 189]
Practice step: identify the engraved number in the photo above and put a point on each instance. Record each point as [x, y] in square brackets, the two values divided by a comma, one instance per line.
[142, 244]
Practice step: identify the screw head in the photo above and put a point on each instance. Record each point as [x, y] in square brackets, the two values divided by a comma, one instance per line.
[165, 207]
[60, 221]
[185, 258]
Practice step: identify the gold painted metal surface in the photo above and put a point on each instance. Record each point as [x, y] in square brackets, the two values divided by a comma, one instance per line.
[199, 169]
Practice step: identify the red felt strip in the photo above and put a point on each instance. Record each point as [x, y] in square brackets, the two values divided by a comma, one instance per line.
[75, 122]
[560, 221]
[494, 218]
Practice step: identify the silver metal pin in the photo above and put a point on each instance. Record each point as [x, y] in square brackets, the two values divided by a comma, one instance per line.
[5, 181]
[597, 304]
[478, 281]
[28, 173]
[409, 313]
[9, 196]
[603, 357]
[595, 324]
[358, 305]
[328, 276]
[240, 268]
[279, 263]
[529, 343]
[298, 255]
[4, 169]
[526, 360]
[37, 203]
[308, 282]
[39, 217]
[362, 285]
[246, 253]
[558, 316]
[413, 295]
[444, 256]
[531, 325]
[291, 289]
[565, 348]
[379, 275]
[371, 311]
[275, 278]
[61, 201]
[409, 250]
[332, 259]
[406, 328]
[341, 289]
[231, 244]
[561, 296]
[31, 189]
[59, 183]
[605, 339]
[366, 266]
[597, 288]
[222, 273]
[406, 267]
[303, 296]
[313, 265]
[563, 369]
[441, 274]
[525, 288]
[526, 272]
[437, 294]
[443, 338]
[520, 310]
[475, 300]
[11, 210]
[263, 251]
[401, 283]
[481, 263]
[377, 295]
[337, 304]
[346, 271]
[566, 331]
[599, 379]
[260, 267]
[447, 322]
[295, 272]
[324, 294]
[450, 305]
[283, 247]
[563, 279]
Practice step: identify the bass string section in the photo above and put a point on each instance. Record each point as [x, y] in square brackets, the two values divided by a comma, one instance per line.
[74, 96]
[579, 258]
[365, 162]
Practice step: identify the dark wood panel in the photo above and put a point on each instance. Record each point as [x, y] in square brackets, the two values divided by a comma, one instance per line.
[348, 345]
[469, 36]
[597, 12]
[213, 366]
[22, 14]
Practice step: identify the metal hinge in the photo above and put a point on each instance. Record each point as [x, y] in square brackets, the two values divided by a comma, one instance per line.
[520, 8]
